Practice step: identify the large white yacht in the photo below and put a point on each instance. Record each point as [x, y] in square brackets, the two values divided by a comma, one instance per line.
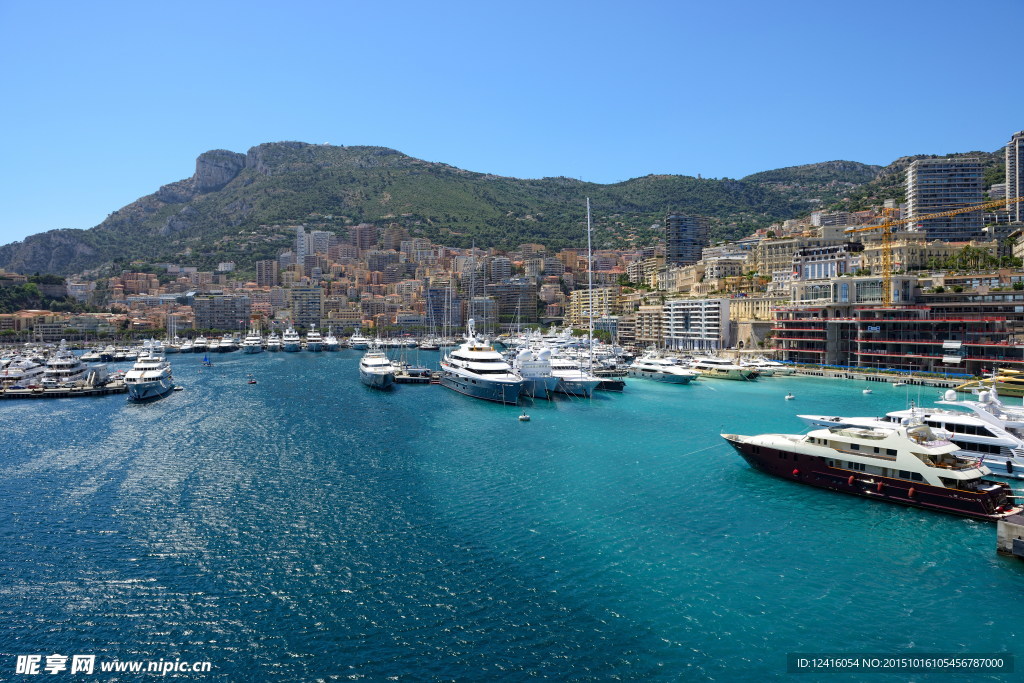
[22, 371]
[253, 342]
[150, 377]
[273, 342]
[375, 368]
[534, 366]
[476, 369]
[314, 341]
[358, 341]
[661, 370]
[331, 342]
[721, 368]
[200, 345]
[63, 367]
[993, 433]
[573, 379]
[290, 340]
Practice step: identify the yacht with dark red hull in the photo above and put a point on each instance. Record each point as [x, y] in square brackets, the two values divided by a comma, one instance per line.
[907, 464]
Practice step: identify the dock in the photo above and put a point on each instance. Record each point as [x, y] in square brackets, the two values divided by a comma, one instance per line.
[71, 392]
[1010, 536]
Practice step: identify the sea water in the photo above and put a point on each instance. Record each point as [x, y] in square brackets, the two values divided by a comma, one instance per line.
[309, 527]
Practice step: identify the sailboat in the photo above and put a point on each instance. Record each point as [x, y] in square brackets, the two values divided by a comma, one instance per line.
[206, 361]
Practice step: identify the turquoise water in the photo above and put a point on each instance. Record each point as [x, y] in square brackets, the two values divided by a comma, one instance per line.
[308, 527]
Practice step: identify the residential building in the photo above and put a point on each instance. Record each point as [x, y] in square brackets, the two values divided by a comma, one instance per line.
[307, 305]
[267, 273]
[695, 324]
[596, 302]
[221, 311]
[685, 237]
[1015, 175]
[937, 185]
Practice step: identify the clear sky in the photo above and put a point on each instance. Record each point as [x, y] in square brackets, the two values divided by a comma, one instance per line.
[102, 102]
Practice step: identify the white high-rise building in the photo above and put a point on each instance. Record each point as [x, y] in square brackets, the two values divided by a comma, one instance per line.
[1015, 175]
[937, 185]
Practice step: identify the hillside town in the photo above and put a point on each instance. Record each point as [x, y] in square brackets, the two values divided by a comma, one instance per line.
[881, 288]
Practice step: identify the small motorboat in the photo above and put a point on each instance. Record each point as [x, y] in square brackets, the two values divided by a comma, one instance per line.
[866, 391]
[524, 417]
[790, 397]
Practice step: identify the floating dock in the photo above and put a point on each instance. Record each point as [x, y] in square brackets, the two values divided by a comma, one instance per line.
[74, 392]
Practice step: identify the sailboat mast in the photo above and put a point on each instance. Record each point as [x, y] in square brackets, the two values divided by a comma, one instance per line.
[590, 290]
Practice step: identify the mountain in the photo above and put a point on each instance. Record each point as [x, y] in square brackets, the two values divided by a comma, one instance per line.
[236, 207]
[891, 182]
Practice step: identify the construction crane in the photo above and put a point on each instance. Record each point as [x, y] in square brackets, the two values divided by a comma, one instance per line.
[887, 225]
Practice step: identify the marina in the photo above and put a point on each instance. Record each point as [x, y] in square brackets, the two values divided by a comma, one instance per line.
[419, 530]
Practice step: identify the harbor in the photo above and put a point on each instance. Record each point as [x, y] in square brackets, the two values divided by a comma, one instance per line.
[425, 526]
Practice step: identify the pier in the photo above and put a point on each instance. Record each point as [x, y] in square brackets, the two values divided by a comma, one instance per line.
[61, 392]
[938, 382]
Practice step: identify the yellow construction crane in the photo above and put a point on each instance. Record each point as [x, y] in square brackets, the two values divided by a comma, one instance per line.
[887, 225]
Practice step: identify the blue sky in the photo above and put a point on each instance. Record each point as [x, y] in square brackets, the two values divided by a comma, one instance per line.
[103, 102]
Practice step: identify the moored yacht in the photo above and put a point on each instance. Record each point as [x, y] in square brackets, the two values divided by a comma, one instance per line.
[331, 342]
[150, 377]
[906, 464]
[721, 368]
[273, 342]
[376, 369]
[253, 342]
[358, 341]
[534, 366]
[314, 341]
[573, 380]
[21, 371]
[200, 345]
[63, 367]
[661, 370]
[290, 340]
[476, 369]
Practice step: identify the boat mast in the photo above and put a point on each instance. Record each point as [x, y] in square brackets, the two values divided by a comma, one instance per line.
[590, 291]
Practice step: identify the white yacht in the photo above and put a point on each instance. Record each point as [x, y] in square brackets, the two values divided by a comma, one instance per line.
[150, 377]
[63, 368]
[290, 340]
[186, 346]
[314, 341]
[331, 342]
[173, 345]
[200, 345]
[273, 342]
[476, 369]
[375, 368]
[661, 370]
[22, 371]
[721, 368]
[253, 342]
[993, 436]
[358, 341]
[573, 380]
[764, 366]
[534, 366]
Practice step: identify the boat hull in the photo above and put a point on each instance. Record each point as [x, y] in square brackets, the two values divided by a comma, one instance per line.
[539, 387]
[499, 392]
[140, 392]
[659, 376]
[377, 380]
[814, 471]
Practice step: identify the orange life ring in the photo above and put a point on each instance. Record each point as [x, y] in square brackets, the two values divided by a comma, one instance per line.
[879, 487]
[796, 472]
[850, 480]
[911, 492]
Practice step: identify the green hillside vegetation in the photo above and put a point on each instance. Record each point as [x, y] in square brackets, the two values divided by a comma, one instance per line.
[29, 297]
[891, 181]
[240, 207]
